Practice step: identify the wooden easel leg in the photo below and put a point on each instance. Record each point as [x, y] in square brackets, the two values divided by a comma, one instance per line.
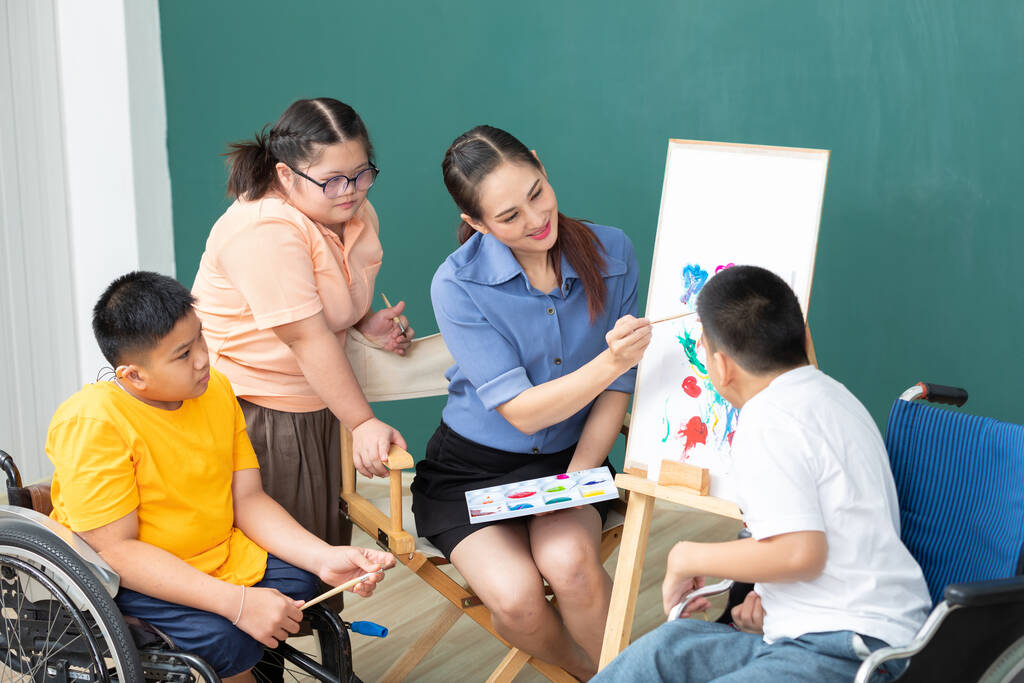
[510, 667]
[628, 571]
[419, 649]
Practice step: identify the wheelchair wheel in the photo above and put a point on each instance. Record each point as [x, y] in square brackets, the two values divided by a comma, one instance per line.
[1009, 667]
[58, 622]
[328, 658]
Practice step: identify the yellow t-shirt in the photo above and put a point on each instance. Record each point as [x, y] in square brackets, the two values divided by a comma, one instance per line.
[114, 454]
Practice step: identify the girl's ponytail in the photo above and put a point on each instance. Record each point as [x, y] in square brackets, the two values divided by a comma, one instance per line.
[252, 165]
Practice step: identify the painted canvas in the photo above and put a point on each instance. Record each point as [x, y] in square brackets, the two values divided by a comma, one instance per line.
[722, 204]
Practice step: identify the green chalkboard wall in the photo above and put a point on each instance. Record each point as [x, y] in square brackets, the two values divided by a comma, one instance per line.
[918, 271]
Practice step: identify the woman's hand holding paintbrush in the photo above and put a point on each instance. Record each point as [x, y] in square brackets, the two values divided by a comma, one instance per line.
[627, 341]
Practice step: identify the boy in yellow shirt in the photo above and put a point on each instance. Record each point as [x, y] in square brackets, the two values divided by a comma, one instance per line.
[155, 471]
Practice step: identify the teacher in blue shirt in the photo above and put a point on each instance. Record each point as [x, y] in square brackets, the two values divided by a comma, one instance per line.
[538, 312]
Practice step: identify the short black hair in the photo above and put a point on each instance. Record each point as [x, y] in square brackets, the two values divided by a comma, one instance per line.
[754, 316]
[136, 311]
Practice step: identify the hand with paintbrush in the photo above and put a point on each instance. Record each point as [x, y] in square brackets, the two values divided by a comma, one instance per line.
[387, 328]
[352, 568]
[627, 341]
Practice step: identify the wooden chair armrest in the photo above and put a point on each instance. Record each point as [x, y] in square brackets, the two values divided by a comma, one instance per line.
[398, 459]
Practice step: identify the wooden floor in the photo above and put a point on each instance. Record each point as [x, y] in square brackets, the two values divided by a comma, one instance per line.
[406, 605]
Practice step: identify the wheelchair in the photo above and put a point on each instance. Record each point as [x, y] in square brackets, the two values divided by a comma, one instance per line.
[960, 482]
[60, 622]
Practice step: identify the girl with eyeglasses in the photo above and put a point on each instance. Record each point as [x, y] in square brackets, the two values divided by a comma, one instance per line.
[537, 310]
[288, 269]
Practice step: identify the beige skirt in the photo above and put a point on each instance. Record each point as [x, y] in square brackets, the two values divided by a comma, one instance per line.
[300, 465]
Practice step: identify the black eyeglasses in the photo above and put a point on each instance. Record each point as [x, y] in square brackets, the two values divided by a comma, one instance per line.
[336, 186]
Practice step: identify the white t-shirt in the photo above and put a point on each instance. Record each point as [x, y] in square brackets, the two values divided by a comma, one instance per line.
[808, 457]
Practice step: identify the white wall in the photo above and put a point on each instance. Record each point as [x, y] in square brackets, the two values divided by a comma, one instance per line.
[84, 193]
[115, 126]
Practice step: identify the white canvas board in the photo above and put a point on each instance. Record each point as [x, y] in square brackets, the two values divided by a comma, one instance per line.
[722, 204]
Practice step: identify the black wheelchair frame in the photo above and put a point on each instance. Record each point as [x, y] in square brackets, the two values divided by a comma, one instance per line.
[60, 622]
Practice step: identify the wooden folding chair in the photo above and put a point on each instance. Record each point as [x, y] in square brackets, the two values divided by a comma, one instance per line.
[386, 377]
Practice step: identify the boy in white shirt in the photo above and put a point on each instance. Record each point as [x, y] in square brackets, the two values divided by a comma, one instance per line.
[813, 483]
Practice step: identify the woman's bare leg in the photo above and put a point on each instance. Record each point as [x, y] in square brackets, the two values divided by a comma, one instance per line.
[566, 548]
[498, 564]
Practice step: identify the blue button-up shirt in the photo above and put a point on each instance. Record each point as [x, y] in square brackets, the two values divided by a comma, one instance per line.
[507, 336]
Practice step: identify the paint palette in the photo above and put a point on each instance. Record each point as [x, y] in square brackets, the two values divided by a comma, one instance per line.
[540, 495]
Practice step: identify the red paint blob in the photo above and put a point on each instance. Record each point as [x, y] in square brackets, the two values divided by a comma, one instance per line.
[695, 432]
[521, 494]
[729, 436]
[690, 386]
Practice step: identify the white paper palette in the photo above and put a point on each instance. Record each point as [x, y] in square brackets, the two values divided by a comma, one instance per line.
[545, 494]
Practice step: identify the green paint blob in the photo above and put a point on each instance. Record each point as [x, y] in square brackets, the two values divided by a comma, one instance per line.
[664, 419]
[689, 345]
[563, 499]
[555, 489]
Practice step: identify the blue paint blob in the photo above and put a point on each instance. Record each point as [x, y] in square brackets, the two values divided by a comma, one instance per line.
[693, 278]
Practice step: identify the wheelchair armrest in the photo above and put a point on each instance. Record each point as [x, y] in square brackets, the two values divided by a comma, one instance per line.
[975, 594]
[983, 593]
[921, 639]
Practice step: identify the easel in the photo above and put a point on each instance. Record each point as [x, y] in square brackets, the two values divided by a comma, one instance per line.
[793, 176]
[678, 483]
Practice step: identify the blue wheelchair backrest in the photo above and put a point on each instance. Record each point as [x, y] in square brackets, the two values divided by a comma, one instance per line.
[960, 480]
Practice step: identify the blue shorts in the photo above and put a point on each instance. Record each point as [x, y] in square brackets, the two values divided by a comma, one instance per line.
[226, 648]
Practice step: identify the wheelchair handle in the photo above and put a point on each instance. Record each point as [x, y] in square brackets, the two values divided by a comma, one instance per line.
[711, 590]
[13, 475]
[940, 393]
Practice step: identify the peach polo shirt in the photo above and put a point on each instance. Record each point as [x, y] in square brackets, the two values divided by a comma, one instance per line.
[267, 264]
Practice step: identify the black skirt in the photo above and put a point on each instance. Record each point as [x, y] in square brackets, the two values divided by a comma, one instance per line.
[454, 465]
